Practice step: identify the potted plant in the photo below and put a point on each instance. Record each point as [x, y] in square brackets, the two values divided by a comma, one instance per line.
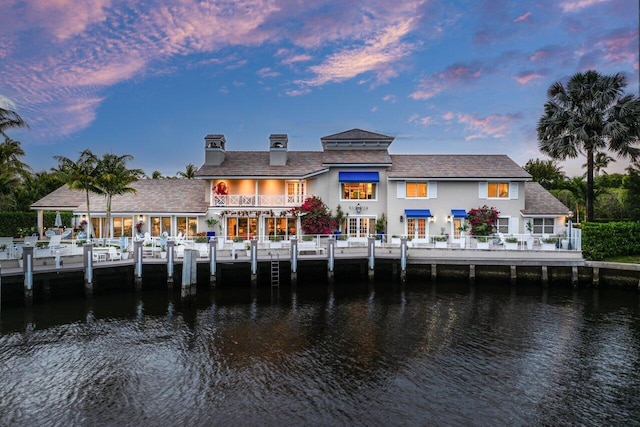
[238, 243]
[163, 252]
[511, 243]
[482, 242]
[549, 243]
[381, 224]
[342, 241]
[247, 248]
[440, 241]
[395, 239]
[211, 223]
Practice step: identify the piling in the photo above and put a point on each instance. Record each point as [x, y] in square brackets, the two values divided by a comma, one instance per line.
[596, 276]
[137, 257]
[545, 275]
[186, 268]
[371, 253]
[574, 276]
[27, 268]
[294, 261]
[331, 249]
[514, 274]
[254, 262]
[87, 259]
[472, 273]
[434, 272]
[213, 255]
[403, 259]
[170, 262]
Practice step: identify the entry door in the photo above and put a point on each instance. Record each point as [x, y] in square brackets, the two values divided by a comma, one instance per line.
[358, 227]
[417, 228]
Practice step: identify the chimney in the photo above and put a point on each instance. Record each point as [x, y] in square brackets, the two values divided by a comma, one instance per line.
[278, 149]
[214, 150]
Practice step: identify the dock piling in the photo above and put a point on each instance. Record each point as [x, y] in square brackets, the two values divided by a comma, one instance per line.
[137, 256]
[294, 261]
[87, 258]
[213, 260]
[331, 248]
[254, 262]
[371, 243]
[170, 262]
[403, 259]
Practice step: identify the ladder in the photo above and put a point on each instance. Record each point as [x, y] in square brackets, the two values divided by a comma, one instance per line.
[275, 271]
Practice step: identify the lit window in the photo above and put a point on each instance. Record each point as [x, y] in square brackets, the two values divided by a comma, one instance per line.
[358, 190]
[416, 189]
[498, 190]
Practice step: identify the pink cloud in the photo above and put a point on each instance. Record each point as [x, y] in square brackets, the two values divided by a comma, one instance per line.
[494, 126]
[578, 5]
[523, 17]
[527, 76]
[267, 72]
[620, 47]
[297, 58]
[377, 54]
[439, 82]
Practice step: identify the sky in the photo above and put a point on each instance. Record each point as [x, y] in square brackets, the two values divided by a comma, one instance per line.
[152, 78]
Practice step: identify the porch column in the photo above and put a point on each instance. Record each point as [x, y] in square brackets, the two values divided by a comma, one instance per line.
[40, 223]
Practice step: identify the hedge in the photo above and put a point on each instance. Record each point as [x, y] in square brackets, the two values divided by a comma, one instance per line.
[18, 224]
[600, 241]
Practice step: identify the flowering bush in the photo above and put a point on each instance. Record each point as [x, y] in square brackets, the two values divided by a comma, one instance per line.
[483, 220]
[315, 217]
[139, 227]
[82, 224]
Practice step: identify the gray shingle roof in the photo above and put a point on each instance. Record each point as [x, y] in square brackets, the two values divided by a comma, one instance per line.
[455, 166]
[357, 135]
[61, 199]
[538, 201]
[256, 163]
[152, 195]
[333, 157]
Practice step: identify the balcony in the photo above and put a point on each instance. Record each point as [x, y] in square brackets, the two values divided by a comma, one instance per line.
[260, 200]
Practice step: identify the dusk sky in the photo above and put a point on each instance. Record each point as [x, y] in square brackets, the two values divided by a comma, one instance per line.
[151, 78]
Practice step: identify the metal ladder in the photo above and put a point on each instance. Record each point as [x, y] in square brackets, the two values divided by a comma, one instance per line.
[275, 271]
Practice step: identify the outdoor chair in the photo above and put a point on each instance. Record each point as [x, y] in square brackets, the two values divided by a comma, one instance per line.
[114, 254]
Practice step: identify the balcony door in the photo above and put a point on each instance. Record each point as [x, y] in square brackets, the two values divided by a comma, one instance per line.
[360, 226]
[296, 191]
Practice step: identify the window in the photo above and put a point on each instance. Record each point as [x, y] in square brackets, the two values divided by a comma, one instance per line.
[416, 189]
[360, 226]
[543, 225]
[244, 228]
[358, 190]
[122, 226]
[502, 225]
[187, 225]
[498, 190]
[160, 224]
[417, 227]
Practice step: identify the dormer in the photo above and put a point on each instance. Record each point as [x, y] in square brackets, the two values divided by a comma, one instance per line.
[214, 150]
[356, 139]
[278, 149]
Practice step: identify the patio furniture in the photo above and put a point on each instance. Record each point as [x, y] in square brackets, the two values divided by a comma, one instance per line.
[114, 254]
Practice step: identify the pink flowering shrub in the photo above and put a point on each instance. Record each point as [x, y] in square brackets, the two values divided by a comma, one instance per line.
[483, 220]
[315, 217]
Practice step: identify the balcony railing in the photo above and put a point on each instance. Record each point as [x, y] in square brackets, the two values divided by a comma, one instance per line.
[251, 200]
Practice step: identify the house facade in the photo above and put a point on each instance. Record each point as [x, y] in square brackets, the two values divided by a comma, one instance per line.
[249, 194]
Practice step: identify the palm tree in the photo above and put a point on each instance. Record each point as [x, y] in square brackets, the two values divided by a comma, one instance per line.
[156, 175]
[600, 162]
[189, 172]
[545, 172]
[114, 178]
[10, 120]
[81, 175]
[12, 170]
[590, 114]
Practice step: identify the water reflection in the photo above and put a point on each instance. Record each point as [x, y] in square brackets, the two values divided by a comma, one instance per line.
[324, 355]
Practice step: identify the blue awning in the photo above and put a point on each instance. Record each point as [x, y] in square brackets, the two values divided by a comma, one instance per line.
[459, 213]
[417, 213]
[359, 177]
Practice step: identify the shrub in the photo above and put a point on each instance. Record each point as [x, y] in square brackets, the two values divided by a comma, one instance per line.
[511, 240]
[483, 220]
[600, 241]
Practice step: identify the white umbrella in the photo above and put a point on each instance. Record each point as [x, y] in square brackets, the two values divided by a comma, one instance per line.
[58, 221]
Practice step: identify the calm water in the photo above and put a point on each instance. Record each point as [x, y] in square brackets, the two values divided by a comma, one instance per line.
[353, 354]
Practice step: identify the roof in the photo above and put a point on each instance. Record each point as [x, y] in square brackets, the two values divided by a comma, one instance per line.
[354, 157]
[61, 199]
[538, 201]
[455, 166]
[356, 135]
[256, 163]
[152, 195]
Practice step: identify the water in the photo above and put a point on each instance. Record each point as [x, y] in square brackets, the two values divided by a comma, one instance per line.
[353, 354]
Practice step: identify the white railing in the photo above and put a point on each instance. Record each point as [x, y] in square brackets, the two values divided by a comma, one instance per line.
[258, 200]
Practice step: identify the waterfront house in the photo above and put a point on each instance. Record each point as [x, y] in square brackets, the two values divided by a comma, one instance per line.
[249, 194]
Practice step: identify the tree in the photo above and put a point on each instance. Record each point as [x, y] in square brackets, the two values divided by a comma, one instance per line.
[81, 175]
[113, 178]
[189, 172]
[316, 218]
[156, 175]
[632, 184]
[590, 114]
[12, 169]
[545, 172]
[483, 220]
[600, 162]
